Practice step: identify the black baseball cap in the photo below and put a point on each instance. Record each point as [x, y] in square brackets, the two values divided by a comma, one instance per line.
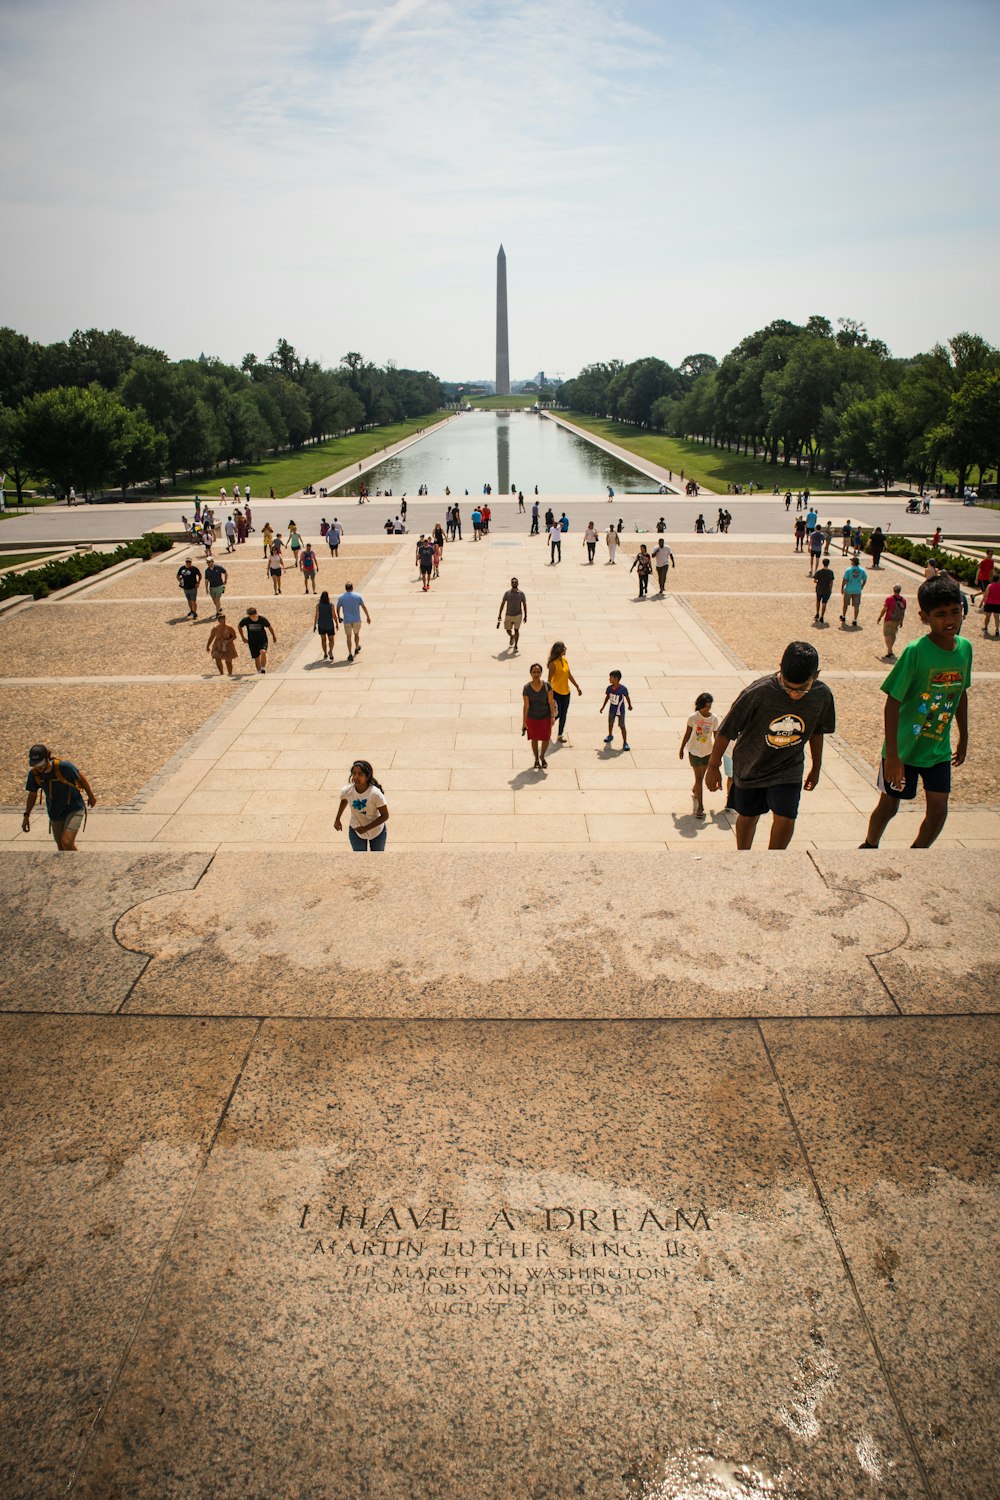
[38, 755]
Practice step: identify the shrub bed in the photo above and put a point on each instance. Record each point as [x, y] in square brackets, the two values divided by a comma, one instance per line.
[40, 582]
[964, 568]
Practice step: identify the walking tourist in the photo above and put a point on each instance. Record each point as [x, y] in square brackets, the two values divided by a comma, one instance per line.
[555, 544]
[216, 578]
[771, 722]
[254, 630]
[991, 606]
[815, 550]
[891, 617]
[538, 711]
[824, 589]
[560, 680]
[64, 786]
[642, 563]
[425, 560]
[309, 566]
[369, 810]
[534, 519]
[876, 543]
[700, 730]
[276, 565]
[324, 624]
[925, 691]
[616, 699]
[984, 573]
[612, 544]
[663, 558]
[189, 579]
[800, 534]
[514, 611]
[267, 537]
[590, 539]
[349, 608]
[851, 588]
[295, 543]
[221, 645]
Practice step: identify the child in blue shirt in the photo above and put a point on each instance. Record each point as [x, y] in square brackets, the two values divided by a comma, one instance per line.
[615, 698]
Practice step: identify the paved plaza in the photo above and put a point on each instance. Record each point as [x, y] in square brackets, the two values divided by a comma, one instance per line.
[566, 1151]
[434, 701]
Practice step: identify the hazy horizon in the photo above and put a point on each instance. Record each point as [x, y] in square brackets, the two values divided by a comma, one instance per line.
[664, 180]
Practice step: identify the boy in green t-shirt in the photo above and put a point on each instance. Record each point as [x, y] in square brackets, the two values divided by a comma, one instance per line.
[926, 689]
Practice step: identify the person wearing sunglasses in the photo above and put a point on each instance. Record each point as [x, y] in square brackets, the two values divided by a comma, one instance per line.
[771, 723]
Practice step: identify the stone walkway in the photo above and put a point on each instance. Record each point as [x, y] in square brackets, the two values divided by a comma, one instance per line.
[434, 702]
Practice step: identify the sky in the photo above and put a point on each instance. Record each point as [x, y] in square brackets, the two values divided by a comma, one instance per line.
[213, 175]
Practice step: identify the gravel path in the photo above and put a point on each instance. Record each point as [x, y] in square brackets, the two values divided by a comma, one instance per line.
[118, 736]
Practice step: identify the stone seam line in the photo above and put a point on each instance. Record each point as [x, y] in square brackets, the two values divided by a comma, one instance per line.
[929, 1488]
[157, 1275]
[178, 891]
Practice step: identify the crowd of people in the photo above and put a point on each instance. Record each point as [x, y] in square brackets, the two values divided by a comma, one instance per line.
[759, 745]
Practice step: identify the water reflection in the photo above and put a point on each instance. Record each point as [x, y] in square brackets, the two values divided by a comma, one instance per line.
[480, 448]
[503, 455]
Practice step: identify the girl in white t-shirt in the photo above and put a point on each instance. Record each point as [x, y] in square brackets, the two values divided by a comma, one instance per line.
[700, 731]
[369, 812]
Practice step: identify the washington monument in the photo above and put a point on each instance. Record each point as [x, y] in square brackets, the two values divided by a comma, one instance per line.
[503, 357]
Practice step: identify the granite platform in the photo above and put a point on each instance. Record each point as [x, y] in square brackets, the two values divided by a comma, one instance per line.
[626, 1176]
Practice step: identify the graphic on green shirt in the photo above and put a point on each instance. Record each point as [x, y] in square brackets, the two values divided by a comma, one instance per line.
[928, 683]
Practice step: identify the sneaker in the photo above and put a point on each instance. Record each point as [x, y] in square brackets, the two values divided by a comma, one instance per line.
[626, 746]
[263, 671]
[608, 738]
[350, 656]
[357, 650]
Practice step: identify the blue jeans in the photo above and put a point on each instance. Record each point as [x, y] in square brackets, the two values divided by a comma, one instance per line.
[362, 845]
[556, 547]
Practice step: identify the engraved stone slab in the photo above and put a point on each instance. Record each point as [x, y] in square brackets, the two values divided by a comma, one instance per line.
[899, 1120]
[488, 1260]
[106, 1122]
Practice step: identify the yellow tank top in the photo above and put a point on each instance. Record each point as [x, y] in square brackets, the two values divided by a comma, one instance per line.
[560, 675]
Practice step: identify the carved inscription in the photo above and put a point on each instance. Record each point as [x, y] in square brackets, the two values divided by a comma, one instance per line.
[500, 1261]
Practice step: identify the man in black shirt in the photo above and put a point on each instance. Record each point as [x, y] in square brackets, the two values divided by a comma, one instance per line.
[189, 577]
[771, 721]
[824, 588]
[253, 634]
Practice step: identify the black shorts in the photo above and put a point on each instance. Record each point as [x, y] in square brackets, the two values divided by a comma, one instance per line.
[754, 801]
[991, 609]
[255, 646]
[936, 778]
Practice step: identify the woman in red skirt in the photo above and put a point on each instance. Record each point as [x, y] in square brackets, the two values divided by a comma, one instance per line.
[539, 711]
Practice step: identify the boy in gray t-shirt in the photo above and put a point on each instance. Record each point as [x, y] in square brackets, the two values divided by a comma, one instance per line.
[771, 721]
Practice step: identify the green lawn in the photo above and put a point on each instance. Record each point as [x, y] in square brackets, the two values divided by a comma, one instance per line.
[502, 403]
[11, 559]
[713, 468]
[292, 471]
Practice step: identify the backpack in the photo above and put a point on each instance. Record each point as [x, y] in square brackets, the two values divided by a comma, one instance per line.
[56, 773]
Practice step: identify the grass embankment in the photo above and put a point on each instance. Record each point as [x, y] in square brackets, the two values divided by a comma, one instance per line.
[713, 468]
[502, 403]
[18, 559]
[287, 472]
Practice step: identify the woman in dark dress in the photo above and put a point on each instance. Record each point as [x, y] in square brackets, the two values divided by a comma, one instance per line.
[539, 711]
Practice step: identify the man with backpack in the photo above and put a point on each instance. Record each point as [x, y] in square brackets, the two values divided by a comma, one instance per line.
[62, 784]
[891, 617]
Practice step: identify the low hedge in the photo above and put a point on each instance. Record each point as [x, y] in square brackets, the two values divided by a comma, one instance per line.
[58, 574]
[964, 568]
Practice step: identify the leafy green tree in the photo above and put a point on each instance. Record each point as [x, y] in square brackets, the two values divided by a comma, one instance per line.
[78, 437]
[874, 437]
[143, 452]
[969, 437]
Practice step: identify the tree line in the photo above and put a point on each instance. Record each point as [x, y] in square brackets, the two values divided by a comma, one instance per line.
[824, 399]
[100, 408]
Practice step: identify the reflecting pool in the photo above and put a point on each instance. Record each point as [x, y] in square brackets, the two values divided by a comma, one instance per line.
[517, 449]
